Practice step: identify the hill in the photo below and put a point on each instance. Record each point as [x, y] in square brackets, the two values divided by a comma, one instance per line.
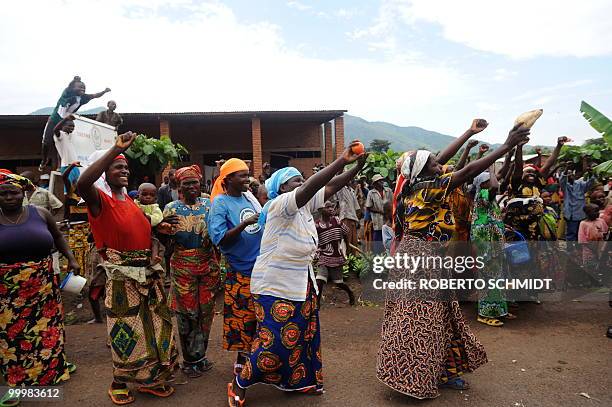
[48, 110]
[401, 138]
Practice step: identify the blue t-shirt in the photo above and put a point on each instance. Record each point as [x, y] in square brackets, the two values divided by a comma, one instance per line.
[225, 214]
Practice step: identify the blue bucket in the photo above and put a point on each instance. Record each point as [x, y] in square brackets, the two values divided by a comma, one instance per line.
[517, 252]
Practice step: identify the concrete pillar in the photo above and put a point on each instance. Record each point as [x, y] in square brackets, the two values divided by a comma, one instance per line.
[256, 139]
[329, 154]
[339, 133]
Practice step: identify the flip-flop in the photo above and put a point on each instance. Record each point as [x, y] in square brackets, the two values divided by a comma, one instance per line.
[9, 401]
[120, 397]
[205, 365]
[71, 367]
[162, 391]
[191, 371]
[456, 384]
[312, 391]
[490, 321]
[232, 399]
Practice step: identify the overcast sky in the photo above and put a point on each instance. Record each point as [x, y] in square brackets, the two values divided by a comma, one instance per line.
[429, 63]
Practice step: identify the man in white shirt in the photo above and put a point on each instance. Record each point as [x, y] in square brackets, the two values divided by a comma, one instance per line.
[63, 141]
[40, 196]
[375, 202]
[349, 212]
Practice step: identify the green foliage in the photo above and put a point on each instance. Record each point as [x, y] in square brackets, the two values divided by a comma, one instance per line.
[379, 145]
[152, 155]
[359, 264]
[604, 169]
[595, 152]
[598, 121]
[382, 163]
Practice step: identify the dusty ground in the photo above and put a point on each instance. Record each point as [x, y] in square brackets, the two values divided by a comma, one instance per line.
[559, 350]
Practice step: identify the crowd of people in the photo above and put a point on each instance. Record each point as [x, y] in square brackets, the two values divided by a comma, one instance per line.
[257, 241]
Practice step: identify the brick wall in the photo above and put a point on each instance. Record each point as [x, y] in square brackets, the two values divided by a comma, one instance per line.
[329, 154]
[164, 128]
[339, 133]
[305, 164]
[256, 143]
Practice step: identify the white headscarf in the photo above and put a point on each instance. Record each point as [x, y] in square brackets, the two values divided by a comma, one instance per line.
[411, 170]
[482, 177]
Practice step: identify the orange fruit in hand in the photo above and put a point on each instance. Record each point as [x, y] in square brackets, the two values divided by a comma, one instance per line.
[358, 148]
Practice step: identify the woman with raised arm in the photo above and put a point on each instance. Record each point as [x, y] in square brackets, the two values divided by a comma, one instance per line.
[286, 348]
[427, 344]
[138, 318]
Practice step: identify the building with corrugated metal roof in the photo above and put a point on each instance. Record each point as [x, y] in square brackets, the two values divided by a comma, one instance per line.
[301, 139]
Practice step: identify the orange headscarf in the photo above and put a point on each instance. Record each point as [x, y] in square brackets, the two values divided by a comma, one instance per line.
[229, 167]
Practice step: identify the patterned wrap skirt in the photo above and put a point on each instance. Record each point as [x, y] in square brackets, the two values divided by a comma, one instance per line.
[31, 325]
[77, 241]
[195, 278]
[139, 324]
[239, 320]
[286, 351]
[424, 343]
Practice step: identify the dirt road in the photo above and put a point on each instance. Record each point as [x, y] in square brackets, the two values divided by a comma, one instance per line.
[547, 357]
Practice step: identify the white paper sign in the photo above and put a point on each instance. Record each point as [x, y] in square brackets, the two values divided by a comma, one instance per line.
[90, 135]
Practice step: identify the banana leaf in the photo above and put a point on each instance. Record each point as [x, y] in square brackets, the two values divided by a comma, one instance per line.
[604, 169]
[598, 121]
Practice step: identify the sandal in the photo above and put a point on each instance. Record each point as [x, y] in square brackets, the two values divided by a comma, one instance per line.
[456, 384]
[162, 391]
[312, 391]
[191, 371]
[232, 399]
[490, 321]
[509, 316]
[9, 401]
[120, 397]
[71, 367]
[204, 366]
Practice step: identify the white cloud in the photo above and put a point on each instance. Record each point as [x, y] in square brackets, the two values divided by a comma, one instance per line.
[550, 90]
[518, 28]
[501, 74]
[206, 61]
[487, 107]
[299, 6]
[345, 13]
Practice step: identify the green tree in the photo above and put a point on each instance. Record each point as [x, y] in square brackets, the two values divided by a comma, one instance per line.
[596, 151]
[379, 145]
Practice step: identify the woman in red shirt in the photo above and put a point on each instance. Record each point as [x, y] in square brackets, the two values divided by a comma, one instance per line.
[138, 321]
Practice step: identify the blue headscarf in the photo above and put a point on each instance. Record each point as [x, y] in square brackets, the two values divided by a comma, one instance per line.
[273, 185]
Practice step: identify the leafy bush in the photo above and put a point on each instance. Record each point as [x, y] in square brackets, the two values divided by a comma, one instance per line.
[151, 155]
[381, 163]
[358, 264]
